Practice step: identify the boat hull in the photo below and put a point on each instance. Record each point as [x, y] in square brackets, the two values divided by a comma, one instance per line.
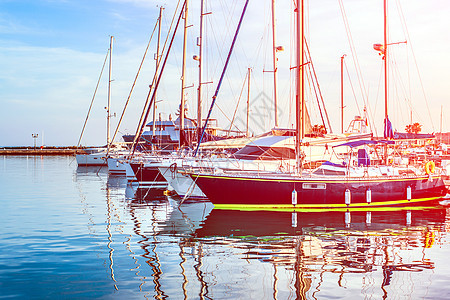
[148, 175]
[245, 192]
[94, 159]
[116, 166]
[182, 183]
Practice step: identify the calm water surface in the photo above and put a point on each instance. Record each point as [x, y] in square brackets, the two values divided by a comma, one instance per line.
[69, 232]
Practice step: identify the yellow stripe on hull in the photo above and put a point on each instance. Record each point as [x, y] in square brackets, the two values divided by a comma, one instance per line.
[374, 206]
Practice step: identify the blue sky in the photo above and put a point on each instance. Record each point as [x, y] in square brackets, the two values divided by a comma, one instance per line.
[51, 53]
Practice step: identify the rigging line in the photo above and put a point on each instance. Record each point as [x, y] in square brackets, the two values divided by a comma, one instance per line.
[403, 89]
[148, 105]
[354, 55]
[402, 17]
[141, 128]
[320, 92]
[395, 83]
[363, 89]
[227, 18]
[93, 97]
[399, 86]
[237, 105]
[410, 105]
[258, 49]
[219, 53]
[176, 60]
[378, 88]
[134, 83]
[409, 79]
[264, 45]
[353, 90]
[312, 83]
[291, 53]
[221, 77]
[403, 22]
[239, 65]
[226, 117]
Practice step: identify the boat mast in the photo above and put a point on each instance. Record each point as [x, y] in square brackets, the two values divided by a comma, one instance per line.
[248, 98]
[300, 103]
[342, 93]
[385, 63]
[199, 90]
[275, 68]
[151, 93]
[386, 119]
[108, 117]
[183, 74]
[157, 64]
[219, 84]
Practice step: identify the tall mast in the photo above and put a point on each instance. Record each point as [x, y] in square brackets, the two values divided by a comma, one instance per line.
[342, 93]
[248, 99]
[157, 64]
[199, 90]
[219, 84]
[183, 74]
[275, 68]
[385, 63]
[300, 103]
[108, 117]
[386, 121]
[151, 93]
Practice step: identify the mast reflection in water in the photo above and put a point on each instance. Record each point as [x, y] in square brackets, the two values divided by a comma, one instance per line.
[266, 254]
[81, 233]
[327, 255]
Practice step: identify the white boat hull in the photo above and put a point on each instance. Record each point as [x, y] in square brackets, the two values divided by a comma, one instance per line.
[116, 166]
[183, 184]
[94, 159]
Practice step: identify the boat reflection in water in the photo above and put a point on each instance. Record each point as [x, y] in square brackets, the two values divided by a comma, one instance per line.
[209, 253]
[89, 170]
[320, 254]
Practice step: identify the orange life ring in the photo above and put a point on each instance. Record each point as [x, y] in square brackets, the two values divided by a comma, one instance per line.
[430, 167]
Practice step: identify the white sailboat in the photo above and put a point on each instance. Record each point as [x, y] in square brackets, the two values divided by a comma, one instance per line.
[97, 156]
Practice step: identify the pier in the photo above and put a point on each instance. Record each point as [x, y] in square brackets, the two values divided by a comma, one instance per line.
[38, 151]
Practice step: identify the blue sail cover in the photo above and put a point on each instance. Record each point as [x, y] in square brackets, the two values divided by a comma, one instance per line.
[388, 131]
[363, 142]
[357, 143]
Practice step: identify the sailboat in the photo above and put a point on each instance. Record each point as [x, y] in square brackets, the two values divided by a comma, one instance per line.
[96, 156]
[271, 151]
[330, 186]
[175, 135]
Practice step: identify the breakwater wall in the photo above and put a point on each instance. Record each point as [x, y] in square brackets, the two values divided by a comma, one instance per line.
[39, 151]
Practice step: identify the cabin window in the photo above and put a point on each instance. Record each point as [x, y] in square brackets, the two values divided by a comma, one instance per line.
[314, 186]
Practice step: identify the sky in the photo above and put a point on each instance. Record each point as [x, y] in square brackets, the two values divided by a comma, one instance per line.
[52, 52]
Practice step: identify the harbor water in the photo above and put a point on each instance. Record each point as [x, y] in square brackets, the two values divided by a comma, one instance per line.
[70, 232]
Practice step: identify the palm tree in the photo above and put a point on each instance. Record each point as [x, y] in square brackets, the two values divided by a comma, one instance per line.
[319, 130]
[413, 128]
